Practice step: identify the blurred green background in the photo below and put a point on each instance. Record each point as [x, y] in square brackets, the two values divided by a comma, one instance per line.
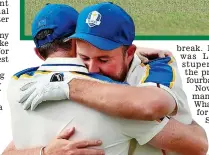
[151, 17]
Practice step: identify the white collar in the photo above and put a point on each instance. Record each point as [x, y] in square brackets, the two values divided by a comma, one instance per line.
[136, 62]
[64, 65]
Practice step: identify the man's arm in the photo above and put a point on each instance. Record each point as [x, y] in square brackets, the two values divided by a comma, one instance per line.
[59, 146]
[142, 103]
[168, 134]
[180, 138]
[147, 54]
[116, 100]
[11, 150]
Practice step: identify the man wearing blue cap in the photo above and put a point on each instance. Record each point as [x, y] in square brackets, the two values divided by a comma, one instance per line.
[104, 40]
[52, 46]
[52, 65]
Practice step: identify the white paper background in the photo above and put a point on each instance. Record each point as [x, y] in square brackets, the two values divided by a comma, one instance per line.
[22, 56]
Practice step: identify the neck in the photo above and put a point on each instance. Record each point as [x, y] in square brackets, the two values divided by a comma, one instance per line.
[61, 54]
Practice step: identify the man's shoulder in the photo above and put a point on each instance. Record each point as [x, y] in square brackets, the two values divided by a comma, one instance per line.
[157, 70]
[28, 73]
[34, 72]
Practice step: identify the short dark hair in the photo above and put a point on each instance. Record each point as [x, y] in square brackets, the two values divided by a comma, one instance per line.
[47, 49]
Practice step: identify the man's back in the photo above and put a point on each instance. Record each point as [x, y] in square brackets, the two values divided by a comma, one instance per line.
[35, 128]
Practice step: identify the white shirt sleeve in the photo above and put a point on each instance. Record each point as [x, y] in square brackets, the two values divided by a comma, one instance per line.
[164, 72]
[142, 131]
[183, 111]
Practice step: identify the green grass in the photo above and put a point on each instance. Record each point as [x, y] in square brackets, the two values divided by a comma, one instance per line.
[151, 17]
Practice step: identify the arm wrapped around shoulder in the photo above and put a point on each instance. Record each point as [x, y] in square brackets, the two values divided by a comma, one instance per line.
[164, 73]
[158, 103]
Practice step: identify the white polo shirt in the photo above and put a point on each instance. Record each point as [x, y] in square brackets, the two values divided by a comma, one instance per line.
[163, 71]
[37, 128]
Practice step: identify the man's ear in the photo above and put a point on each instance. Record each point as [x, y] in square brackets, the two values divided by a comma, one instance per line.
[73, 49]
[130, 52]
[38, 54]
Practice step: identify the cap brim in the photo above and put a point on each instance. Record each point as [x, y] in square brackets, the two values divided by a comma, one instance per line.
[101, 43]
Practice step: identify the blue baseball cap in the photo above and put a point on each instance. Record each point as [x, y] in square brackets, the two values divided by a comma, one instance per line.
[59, 18]
[105, 25]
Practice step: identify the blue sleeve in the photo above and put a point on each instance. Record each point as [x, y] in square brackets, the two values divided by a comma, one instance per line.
[160, 71]
[28, 71]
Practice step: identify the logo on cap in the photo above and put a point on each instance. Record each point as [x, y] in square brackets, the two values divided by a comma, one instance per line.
[93, 19]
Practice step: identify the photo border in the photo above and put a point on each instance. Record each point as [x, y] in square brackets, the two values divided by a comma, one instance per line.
[138, 37]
